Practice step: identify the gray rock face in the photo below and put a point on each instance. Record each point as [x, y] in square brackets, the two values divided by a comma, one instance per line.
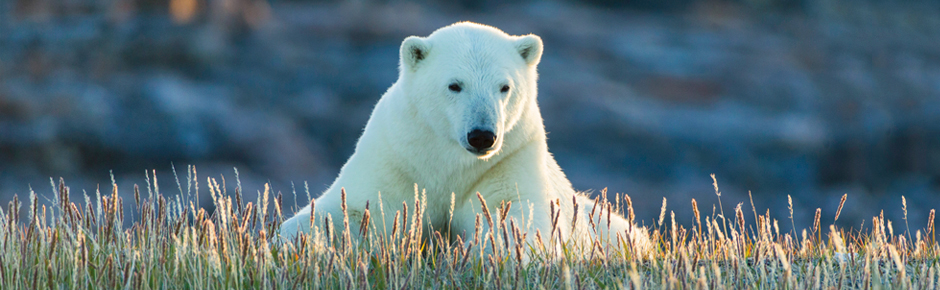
[837, 97]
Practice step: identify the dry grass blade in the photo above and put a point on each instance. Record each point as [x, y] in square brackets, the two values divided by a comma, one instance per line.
[574, 216]
[930, 225]
[698, 217]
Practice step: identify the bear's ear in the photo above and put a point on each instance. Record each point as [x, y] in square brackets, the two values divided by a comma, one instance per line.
[530, 48]
[413, 50]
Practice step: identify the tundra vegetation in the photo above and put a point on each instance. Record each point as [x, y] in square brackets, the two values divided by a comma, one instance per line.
[174, 242]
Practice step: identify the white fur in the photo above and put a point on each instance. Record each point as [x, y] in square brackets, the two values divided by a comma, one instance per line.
[417, 135]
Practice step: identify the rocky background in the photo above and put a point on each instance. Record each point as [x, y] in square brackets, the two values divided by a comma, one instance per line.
[811, 99]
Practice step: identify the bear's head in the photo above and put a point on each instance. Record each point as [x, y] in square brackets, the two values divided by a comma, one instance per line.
[472, 82]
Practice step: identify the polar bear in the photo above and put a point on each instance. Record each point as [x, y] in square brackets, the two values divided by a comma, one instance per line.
[462, 119]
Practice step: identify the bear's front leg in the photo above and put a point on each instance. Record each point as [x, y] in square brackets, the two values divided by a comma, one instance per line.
[513, 227]
[332, 212]
[525, 211]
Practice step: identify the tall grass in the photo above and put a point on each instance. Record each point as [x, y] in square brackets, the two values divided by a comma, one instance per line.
[174, 243]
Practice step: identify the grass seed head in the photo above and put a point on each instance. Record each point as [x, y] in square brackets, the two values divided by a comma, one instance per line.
[631, 216]
[841, 203]
[486, 210]
[662, 212]
[930, 225]
[715, 183]
[816, 220]
[364, 225]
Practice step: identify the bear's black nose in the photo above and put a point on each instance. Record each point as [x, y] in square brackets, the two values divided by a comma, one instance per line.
[480, 139]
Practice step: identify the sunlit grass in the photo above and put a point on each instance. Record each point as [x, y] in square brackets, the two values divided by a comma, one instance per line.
[174, 243]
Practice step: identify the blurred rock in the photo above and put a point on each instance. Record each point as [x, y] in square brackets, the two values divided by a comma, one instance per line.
[814, 101]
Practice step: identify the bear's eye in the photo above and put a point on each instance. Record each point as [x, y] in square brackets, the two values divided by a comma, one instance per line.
[504, 89]
[454, 88]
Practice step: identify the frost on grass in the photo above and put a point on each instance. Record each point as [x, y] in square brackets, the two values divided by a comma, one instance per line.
[176, 244]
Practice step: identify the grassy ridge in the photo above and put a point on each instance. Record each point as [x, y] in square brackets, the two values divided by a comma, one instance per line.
[175, 244]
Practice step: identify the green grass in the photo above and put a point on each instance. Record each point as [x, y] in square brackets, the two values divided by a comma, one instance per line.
[172, 243]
